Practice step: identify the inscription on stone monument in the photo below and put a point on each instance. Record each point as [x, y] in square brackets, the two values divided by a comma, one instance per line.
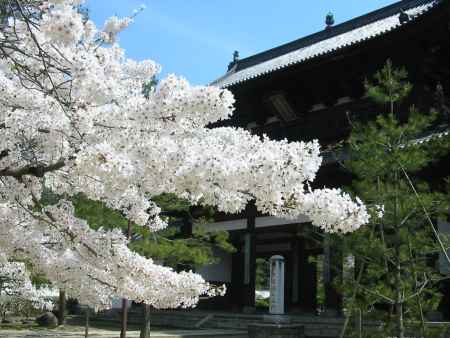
[276, 285]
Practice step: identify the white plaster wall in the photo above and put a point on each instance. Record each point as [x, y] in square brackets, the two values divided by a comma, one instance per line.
[117, 303]
[220, 272]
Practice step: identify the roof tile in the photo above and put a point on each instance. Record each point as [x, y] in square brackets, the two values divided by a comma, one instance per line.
[346, 34]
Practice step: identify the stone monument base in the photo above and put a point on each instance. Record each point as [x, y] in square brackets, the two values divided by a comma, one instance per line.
[276, 330]
[331, 313]
[249, 310]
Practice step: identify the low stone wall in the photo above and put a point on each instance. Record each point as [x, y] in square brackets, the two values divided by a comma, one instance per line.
[267, 330]
[314, 326]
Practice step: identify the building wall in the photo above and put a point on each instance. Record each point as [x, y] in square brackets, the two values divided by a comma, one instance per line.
[220, 272]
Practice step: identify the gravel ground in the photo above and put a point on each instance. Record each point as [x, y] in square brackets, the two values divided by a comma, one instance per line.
[78, 332]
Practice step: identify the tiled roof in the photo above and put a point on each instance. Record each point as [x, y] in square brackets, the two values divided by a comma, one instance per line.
[343, 35]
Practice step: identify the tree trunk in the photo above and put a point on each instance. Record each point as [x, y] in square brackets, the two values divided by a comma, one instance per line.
[145, 329]
[360, 331]
[398, 266]
[86, 324]
[62, 308]
[398, 295]
[399, 315]
[123, 331]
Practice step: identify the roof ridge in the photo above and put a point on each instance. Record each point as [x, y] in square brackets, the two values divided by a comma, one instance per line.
[348, 33]
[338, 29]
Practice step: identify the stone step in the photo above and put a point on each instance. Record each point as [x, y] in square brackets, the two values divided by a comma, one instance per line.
[314, 327]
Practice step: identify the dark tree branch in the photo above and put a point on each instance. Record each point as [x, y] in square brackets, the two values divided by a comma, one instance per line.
[38, 171]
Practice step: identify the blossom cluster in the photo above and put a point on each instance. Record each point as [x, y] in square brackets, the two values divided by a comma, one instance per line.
[113, 26]
[16, 289]
[61, 25]
[74, 119]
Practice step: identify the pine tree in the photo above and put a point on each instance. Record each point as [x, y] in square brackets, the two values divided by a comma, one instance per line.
[169, 246]
[395, 254]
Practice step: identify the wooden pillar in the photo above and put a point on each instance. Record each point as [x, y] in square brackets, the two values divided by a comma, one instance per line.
[307, 279]
[295, 286]
[237, 271]
[186, 228]
[249, 247]
[332, 270]
[289, 276]
[186, 232]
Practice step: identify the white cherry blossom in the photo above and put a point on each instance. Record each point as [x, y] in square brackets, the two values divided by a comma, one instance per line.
[74, 119]
[16, 289]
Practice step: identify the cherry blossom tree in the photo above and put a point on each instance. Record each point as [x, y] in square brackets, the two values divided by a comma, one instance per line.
[17, 293]
[73, 119]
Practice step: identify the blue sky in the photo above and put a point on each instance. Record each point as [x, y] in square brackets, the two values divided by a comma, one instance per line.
[196, 38]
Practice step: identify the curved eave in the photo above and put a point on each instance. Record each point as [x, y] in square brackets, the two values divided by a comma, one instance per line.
[327, 46]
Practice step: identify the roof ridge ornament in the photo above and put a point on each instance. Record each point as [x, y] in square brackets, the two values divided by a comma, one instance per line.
[236, 56]
[235, 60]
[403, 17]
[329, 20]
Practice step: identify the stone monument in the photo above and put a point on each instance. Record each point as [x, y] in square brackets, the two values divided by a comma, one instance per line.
[276, 304]
[276, 324]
